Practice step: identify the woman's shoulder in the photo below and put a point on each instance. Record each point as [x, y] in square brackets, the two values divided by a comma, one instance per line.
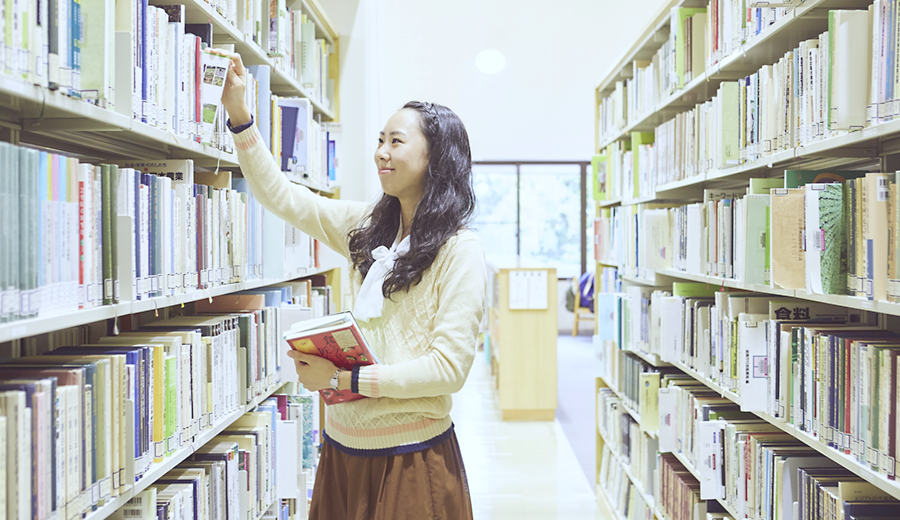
[465, 243]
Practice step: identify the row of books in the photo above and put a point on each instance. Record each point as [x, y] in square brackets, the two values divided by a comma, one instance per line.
[698, 38]
[83, 235]
[622, 495]
[679, 491]
[632, 446]
[806, 96]
[146, 62]
[306, 148]
[825, 232]
[758, 470]
[148, 392]
[826, 370]
[256, 449]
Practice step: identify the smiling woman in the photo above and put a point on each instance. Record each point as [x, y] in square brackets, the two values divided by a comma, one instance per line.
[418, 288]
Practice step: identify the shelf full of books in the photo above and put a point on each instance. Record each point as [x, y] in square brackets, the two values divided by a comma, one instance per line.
[799, 106]
[144, 84]
[746, 239]
[196, 407]
[87, 242]
[144, 291]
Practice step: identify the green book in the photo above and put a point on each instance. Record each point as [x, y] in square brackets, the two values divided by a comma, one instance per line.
[800, 178]
[679, 15]
[109, 218]
[599, 172]
[639, 139]
[762, 186]
[694, 290]
[833, 251]
[756, 246]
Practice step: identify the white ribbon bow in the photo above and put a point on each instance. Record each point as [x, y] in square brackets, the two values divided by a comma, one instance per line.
[370, 300]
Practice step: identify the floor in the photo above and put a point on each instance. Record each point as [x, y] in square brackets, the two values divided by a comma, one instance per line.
[517, 470]
[575, 387]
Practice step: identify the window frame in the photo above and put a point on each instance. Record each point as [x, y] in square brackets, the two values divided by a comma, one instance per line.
[583, 166]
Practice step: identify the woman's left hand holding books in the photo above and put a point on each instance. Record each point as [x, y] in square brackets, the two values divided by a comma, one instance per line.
[315, 372]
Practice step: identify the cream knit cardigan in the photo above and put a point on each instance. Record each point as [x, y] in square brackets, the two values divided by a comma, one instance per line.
[425, 338]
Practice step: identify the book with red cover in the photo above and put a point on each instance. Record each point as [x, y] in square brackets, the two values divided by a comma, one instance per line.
[338, 339]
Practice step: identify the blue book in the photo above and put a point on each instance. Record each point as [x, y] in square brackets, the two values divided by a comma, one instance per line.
[288, 137]
[144, 56]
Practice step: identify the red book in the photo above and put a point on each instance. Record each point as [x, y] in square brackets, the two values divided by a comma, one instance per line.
[338, 339]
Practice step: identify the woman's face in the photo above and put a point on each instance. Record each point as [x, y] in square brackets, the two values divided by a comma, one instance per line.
[402, 157]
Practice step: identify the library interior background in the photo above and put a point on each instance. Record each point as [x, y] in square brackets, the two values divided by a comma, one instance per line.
[690, 212]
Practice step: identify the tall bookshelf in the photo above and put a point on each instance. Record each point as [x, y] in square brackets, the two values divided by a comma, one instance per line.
[628, 110]
[37, 117]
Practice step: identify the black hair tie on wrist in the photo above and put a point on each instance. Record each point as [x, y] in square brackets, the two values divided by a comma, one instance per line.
[238, 129]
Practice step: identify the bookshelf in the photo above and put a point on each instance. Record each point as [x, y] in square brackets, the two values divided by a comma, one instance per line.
[523, 348]
[676, 172]
[34, 116]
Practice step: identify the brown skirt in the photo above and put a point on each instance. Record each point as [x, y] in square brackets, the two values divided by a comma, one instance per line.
[422, 485]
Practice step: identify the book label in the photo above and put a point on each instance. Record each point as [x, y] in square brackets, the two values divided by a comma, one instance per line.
[872, 457]
[159, 449]
[105, 488]
[107, 288]
[887, 465]
[95, 493]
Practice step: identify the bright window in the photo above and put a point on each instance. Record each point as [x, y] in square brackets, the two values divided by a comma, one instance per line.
[532, 213]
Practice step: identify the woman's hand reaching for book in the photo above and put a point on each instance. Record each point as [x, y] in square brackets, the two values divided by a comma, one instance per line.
[234, 95]
[313, 372]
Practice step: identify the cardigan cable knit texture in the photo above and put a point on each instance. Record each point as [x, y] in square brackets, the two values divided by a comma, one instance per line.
[425, 337]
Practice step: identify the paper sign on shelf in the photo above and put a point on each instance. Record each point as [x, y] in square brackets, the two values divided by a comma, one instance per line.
[528, 290]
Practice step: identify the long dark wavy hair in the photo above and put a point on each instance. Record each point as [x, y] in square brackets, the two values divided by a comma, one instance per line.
[447, 203]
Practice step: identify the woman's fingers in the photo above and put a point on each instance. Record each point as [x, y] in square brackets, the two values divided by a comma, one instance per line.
[236, 62]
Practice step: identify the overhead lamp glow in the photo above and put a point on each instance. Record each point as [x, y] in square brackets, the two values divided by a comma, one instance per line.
[490, 61]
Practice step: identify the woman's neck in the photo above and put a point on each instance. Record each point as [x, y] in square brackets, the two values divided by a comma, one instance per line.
[407, 213]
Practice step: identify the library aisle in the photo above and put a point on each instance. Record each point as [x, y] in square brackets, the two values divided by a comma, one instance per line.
[517, 470]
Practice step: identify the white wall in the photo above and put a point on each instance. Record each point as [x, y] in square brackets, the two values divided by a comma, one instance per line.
[539, 107]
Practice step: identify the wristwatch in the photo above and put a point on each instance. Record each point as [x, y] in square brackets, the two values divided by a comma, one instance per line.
[335, 380]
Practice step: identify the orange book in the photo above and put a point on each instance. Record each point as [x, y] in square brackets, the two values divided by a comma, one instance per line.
[338, 339]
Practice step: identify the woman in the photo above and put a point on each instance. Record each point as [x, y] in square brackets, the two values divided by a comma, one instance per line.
[418, 283]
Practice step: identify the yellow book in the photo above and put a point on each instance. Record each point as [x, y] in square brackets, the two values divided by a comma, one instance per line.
[788, 259]
[159, 403]
[649, 401]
